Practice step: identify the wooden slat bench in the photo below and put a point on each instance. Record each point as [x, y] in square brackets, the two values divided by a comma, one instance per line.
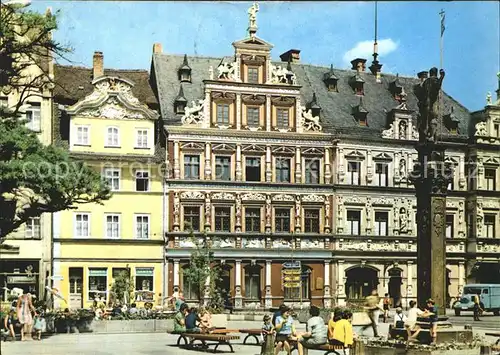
[327, 348]
[216, 339]
[251, 333]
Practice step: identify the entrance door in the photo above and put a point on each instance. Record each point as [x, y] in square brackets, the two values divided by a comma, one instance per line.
[75, 287]
[395, 282]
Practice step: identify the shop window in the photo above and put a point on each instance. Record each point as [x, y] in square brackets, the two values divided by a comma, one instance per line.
[144, 284]
[98, 283]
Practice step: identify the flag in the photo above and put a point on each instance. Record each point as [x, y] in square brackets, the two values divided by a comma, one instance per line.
[443, 15]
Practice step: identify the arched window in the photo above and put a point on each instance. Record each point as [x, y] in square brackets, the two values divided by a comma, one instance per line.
[360, 282]
[252, 282]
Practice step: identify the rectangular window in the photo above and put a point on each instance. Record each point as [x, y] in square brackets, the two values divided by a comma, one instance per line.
[142, 181]
[490, 179]
[112, 137]
[223, 114]
[252, 283]
[489, 225]
[282, 118]
[253, 116]
[144, 282]
[192, 218]
[191, 166]
[223, 168]
[253, 75]
[354, 222]
[353, 176]
[142, 138]
[112, 178]
[222, 219]
[112, 226]
[82, 135]
[32, 230]
[381, 174]
[312, 171]
[98, 283]
[282, 220]
[311, 220]
[449, 225]
[252, 169]
[142, 226]
[33, 117]
[282, 169]
[252, 220]
[82, 225]
[381, 223]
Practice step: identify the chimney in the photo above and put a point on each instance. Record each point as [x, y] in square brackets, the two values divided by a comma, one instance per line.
[358, 64]
[293, 56]
[422, 75]
[157, 48]
[98, 65]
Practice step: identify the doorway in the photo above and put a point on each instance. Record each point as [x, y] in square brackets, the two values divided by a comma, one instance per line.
[360, 282]
[75, 287]
[394, 287]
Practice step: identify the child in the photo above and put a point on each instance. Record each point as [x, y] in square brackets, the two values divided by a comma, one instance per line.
[267, 328]
[37, 321]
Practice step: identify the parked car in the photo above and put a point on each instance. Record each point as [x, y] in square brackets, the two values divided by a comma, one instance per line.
[489, 298]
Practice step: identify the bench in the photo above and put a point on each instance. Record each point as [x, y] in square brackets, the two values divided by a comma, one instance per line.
[217, 338]
[327, 348]
[251, 333]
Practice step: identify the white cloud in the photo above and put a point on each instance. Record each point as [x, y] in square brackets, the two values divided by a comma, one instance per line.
[364, 49]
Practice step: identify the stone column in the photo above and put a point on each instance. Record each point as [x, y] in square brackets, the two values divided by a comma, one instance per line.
[328, 167]
[238, 298]
[268, 297]
[238, 111]
[409, 279]
[166, 288]
[177, 168]
[208, 162]
[369, 167]
[340, 166]
[461, 277]
[176, 275]
[298, 166]
[461, 173]
[207, 110]
[268, 113]
[238, 163]
[341, 282]
[269, 172]
[327, 296]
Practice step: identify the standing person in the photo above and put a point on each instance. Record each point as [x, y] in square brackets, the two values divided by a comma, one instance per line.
[284, 329]
[38, 326]
[372, 309]
[8, 324]
[386, 305]
[316, 332]
[24, 316]
[267, 329]
[477, 308]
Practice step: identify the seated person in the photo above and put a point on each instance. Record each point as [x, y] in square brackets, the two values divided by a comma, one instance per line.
[334, 318]
[399, 319]
[205, 320]
[316, 332]
[191, 321]
[133, 309]
[8, 324]
[343, 333]
[180, 319]
[431, 313]
[285, 330]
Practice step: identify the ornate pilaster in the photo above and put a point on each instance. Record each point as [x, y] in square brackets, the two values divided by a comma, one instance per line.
[208, 162]
[238, 214]
[328, 167]
[369, 167]
[237, 71]
[395, 172]
[176, 274]
[461, 219]
[340, 215]
[328, 213]
[268, 297]
[298, 116]
[238, 298]
[238, 167]
[298, 214]
[206, 110]
[177, 211]
[327, 296]
[368, 210]
[206, 293]
[208, 212]
[268, 213]
[268, 110]
[269, 172]
[238, 106]
[341, 166]
[340, 282]
[409, 278]
[298, 166]
[177, 168]
[461, 173]
[461, 277]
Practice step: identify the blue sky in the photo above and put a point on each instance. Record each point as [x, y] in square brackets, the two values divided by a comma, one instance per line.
[326, 33]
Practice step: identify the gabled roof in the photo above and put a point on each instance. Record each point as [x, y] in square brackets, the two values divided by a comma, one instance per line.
[336, 113]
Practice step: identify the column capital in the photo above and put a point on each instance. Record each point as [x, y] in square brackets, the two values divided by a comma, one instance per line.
[327, 262]
[409, 262]
[340, 261]
[176, 261]
[238, 261]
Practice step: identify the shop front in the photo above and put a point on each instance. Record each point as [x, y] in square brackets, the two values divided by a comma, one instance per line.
[18, 276]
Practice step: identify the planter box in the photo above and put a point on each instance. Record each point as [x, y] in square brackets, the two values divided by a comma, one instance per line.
[372, 350]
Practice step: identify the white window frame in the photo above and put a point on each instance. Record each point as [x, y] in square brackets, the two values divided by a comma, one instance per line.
[449, 227]
[379, 229]
[82, 126]
[148, 179]
[152, 284]
[100, 294]
[350, 226]
[34, 125]
[112, 215]
[382, 179]
[354, 177]
[142, 215]
[137, 145]
[110, 136]
[490, 229]
[75, 225]
[106, 177]
[35, 232]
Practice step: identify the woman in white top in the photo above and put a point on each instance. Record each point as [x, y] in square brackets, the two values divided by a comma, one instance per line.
[411, 320]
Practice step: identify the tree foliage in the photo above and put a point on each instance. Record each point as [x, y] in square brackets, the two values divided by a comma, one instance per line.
[123, 287]
[34, 178]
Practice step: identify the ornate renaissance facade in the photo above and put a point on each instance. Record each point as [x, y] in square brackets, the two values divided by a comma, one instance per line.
[275, 162]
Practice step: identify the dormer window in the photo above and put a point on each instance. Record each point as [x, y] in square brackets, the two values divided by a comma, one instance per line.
[180, 103]
[396, 88]
[185, 71]
[451, 122]
[314, 106]
[360, 113]
[331, 80]
[253, 75]
[357, 84]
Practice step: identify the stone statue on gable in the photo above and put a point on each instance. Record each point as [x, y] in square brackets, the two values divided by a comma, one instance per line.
[310, 122]
[252, 15]
[427, 93]
[226, 71]
[194, 114]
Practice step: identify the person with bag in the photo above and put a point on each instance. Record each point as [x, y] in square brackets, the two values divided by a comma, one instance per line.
[400, 319]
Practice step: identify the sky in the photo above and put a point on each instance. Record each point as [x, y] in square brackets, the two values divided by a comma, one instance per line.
[327, 32]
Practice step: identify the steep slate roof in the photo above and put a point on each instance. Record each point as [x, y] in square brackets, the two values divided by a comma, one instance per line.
[74, 83]
[336, 113]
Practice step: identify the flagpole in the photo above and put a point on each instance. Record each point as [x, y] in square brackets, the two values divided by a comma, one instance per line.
[441, 45]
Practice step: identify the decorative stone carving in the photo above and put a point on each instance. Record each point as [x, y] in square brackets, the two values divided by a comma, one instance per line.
[226, 71]
[488, 248]
[253, 243]
[461, 224]
[195, 113]
[280, 75]
[253, 196]
[414, 133]
[402, 129]
[327, 214]
[389, 133]
[211, 73]
[455, 247]
[313, 198]
[208, 211]
[354, 200]
[222, 196]
[297, 213]
[226, 242]
[403, 220]
[479, 219]
[112, 110]
[190, 242]
[283, 198]
[238, 213]
[375, 245]
[402, 169]
[340, 214]
[383, 201]
[192, 195]
[268, 213]
[481, 129]
[308, 121]
[312, 244]
[177, 208]
[282, 244]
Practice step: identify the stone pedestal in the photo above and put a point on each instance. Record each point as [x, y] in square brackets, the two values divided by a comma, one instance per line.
[431, 177]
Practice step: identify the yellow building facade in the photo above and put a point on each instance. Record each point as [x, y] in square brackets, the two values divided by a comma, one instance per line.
[114, 132]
